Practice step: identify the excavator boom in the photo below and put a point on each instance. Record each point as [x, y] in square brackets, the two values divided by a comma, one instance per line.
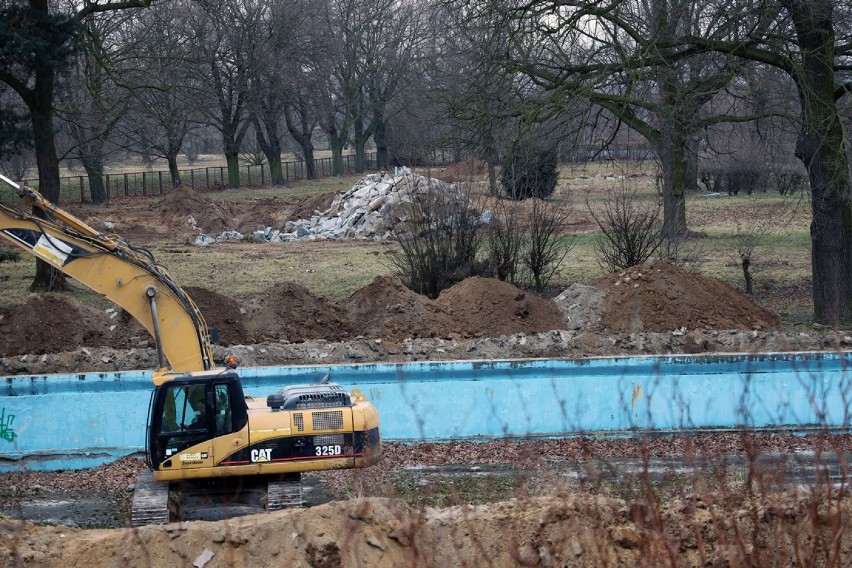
[127, 275]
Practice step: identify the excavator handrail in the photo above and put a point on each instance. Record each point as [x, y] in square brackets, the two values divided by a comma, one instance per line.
[128, 275]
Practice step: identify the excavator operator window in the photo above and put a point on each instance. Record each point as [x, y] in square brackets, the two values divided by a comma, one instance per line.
[184, 409]
[224, 423]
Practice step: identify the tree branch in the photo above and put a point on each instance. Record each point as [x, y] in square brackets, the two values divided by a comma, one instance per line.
[92, 7]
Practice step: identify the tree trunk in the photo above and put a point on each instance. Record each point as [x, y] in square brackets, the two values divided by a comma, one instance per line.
[671, 150]
[271, 147]
[821, 149]
[310, 161]
[92, 158]
[360, 143]
[276, 170]
[690, 182]
[174, 171]
[381, 139]
[94, 167]
[232, 158]
[492, 158]
[336, 158]
[360, 156]
[302, 136]
[175, 142]
[47, 278]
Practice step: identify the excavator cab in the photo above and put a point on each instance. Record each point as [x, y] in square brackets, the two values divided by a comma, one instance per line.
[191, 409]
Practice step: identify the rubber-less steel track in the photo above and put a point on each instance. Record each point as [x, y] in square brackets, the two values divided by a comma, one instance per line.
[150, 501]
[212, 499]
[284, 492]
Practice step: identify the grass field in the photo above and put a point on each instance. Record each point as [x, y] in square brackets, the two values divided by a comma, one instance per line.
[718, 226]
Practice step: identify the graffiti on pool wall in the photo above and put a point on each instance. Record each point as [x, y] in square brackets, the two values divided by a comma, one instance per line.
[6, 431]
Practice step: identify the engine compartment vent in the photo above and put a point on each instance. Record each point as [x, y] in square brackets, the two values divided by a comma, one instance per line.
[304, 397]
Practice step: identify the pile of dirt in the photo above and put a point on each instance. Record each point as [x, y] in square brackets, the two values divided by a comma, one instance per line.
[184, 207]
[222, 314]
[486, 307]
[291, 312]
[306, 207]
[54, 323]
[386, 309]
[659, 297]
[463, 171]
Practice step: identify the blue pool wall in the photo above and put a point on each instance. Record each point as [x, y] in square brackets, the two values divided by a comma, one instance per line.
[53, 422]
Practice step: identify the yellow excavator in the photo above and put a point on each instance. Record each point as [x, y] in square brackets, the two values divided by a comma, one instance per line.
[220, 451]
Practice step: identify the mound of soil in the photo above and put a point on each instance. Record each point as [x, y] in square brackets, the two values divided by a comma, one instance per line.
[289, 311]
[309, 206]
[54, 323]
[659, 297]
[185, 207]
[385, 308]
[463, 170]
[222, 313]
[486, 307]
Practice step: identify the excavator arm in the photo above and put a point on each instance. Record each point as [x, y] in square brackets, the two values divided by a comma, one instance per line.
[127, 275]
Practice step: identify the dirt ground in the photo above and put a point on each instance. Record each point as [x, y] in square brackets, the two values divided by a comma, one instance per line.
[386, 321]
[571, 530]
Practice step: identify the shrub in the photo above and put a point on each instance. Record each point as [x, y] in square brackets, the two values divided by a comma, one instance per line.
[529, 172]
[9, 255]
[505, 237]
[546, 247]
[631, 233]
[438, 246]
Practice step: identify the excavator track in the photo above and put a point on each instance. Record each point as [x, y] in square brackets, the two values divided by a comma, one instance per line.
[212, 499]
[150, 501]
[285, 492]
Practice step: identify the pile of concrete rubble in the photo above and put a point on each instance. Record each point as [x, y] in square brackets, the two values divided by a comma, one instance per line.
[377, 208]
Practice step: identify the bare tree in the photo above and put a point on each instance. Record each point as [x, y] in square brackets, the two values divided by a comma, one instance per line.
[286, 47]
[162, 84]
[811, 40]
[90, 102]
[614, 54]
[505, 237]
[224, 40]
[746, 240]
[37, 40]
[301, 115]
[440, 241]
[481, 104]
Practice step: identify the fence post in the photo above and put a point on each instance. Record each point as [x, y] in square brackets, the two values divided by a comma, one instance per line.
[144, 176]
[248, 173]
[192, 179]
[160, 174]
[221, 175]
[125, 185]
[107, 185]
[81, 189]
[262, 176]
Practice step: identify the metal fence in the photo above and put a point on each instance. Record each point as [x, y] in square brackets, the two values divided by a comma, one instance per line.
[158, 182]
